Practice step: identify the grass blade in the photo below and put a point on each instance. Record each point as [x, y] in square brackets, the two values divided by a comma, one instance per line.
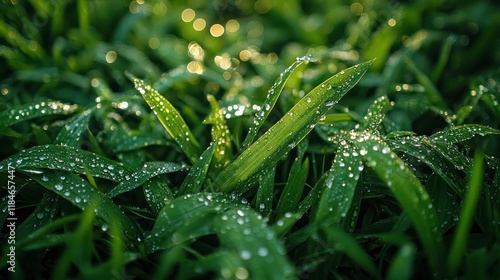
[285, 134]
[466, 217]
[157, 193]
[376, 113]
[68, 159]
[34, 110]
[170, 118]
[193, 182]
[340, 185]
[408, 191]
[402, 264]
[83, 195]
[294, 187]
[462, 133]
[150, 170]
[220, 135]
[265, 193]
[243, 233]
[188, 217]
[71, 134]
[271, 99]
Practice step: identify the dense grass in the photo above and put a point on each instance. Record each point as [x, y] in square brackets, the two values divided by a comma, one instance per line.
[309, 140]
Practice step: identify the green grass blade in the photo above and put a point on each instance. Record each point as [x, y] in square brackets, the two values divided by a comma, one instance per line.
[401, 267]
[285, 134]
[408, 191]
[71, 134]
[220, 135]
[292, 192]
[462, 133]
[193, 182]
[243, 233]
[41, 216]
[340, 185]
[83, 195]
[68, 159]
[187, 217]
[348, 245]
[467, 216]
[150, 170]
[170, 118]
[432, 93]
[157, 192]
[271, 99]
[35, 110]
[265, 193]
[376, 113]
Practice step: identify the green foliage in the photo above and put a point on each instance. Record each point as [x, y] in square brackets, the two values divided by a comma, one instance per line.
[250, 139]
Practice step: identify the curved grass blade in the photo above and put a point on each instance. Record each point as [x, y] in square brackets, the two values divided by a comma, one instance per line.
[170, 118]
[348, 245]
[41, 216]
[462, 133]
[68, 159]
[157, 192]
[181, 73]
[252, 245]
[408, 191]
[292, 192]
[340, 185]
[34, 110]
[197, 174]
[402, 264]
[150, 170]
[188, 217]
[467, 216]
[71, 133]
[83, 195]
[265, 193]
[220, 135]
[376, 113]
[285, 134]
[272, 97]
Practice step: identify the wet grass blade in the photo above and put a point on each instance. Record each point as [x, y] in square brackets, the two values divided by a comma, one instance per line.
[68, 159]
[339, 187]
[157, 193]
[35, 110]
[149, 171]
[170, 118]
[195, 179]
[220, 135]
[285, 134]
[247, 238]
[408, 191]
[41, 216]
[188, 217]
[292, 192]
[265, 193]
[71, 134]
[376, 113]
[467, 216]
[271, 99]
[462, 133]
[83, 195]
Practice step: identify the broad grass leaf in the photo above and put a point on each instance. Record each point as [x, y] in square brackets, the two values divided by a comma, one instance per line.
[83, 195]
[401, 267]
[71, 134]
[246, 237]
[265, 193]
[195, 179]
[157, 192]
[170, 118]
[187, 217]
[288, 131]
[408, 191]
[272, 97]
[42, 215]
[150, 170]
[33, 110]
[68, 159]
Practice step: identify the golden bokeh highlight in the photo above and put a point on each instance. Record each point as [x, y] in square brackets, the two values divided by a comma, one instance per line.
[217, 30]
[199, 24]
[232, 25]
[188, 15]
[111, 56]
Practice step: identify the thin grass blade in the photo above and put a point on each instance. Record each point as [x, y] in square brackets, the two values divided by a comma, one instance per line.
[220, 135]
[271, 99]
[170, 118]
[157, 192]
[285, 134]
[195, 179]
[462, 133]
[35, 110]
[71, 134]
[265, 193]
[376, 114]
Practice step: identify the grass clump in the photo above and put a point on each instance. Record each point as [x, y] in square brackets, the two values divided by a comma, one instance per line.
[250, 140]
